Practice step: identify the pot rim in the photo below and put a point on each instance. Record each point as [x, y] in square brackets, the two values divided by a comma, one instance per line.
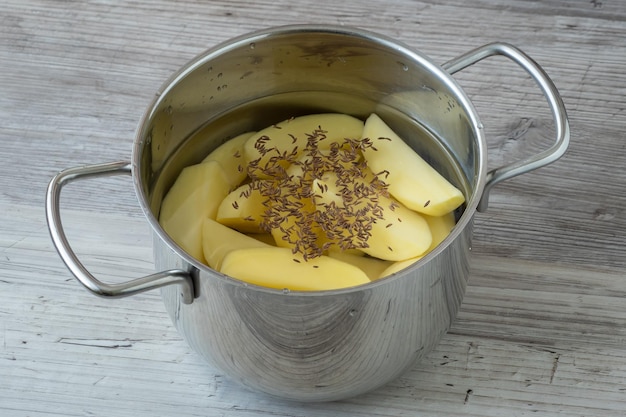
[256, 36]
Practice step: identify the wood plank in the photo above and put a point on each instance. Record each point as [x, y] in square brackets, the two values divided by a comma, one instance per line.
[541, 329]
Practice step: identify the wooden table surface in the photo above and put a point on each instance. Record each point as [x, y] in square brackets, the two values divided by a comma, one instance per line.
[542, 328]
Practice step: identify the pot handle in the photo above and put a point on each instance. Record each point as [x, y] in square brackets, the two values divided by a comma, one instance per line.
[549, 91]
[53, 216]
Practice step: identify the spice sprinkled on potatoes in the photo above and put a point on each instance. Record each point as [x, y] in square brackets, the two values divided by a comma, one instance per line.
[338, 201]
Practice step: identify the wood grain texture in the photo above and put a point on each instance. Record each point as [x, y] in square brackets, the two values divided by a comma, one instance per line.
[542, 328]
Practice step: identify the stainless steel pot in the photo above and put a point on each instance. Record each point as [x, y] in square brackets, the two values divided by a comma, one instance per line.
[311, 346]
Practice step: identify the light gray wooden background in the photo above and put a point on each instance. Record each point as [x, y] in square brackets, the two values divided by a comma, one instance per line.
[542, 330]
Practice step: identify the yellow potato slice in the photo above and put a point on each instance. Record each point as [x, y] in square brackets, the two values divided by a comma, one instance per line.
[266, 238]
[372, 267]
[211, 224]
[219, 240]
[286, 234]
[242, 209]
[230, 156]
[303, 168]
[399, 266]
[440, 227]
[290, 138]
[279, 268]
[195, 195]
[398, 234]
[412, 181]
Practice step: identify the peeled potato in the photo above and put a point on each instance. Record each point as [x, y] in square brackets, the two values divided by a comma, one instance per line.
[219, 240]
[279, 268]
[302, 167]
[399, 266]
[412, 181]
[230, 156]
[290, 136]
[372, 267]
[242, 209]
[195, 195]
[440, 227]
[399, 234]
[263, 237]
[285, 232]
[297, 185]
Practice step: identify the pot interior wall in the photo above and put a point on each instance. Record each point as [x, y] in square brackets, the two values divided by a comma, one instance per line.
[250, 83]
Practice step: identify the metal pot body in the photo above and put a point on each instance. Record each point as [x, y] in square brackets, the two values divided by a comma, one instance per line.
[323, 346]
[310, 346]
[313, 346]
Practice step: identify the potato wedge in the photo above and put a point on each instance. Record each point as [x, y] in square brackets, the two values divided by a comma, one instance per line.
[372, 267]
[219, 240]
[279, 268]
[195, 195]
[266, 238]
[288, 233]
[242, 209]
[440, 227]
[399, 266]
[230, 156]
[396, 234]
[412, 181]
[290, 137]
